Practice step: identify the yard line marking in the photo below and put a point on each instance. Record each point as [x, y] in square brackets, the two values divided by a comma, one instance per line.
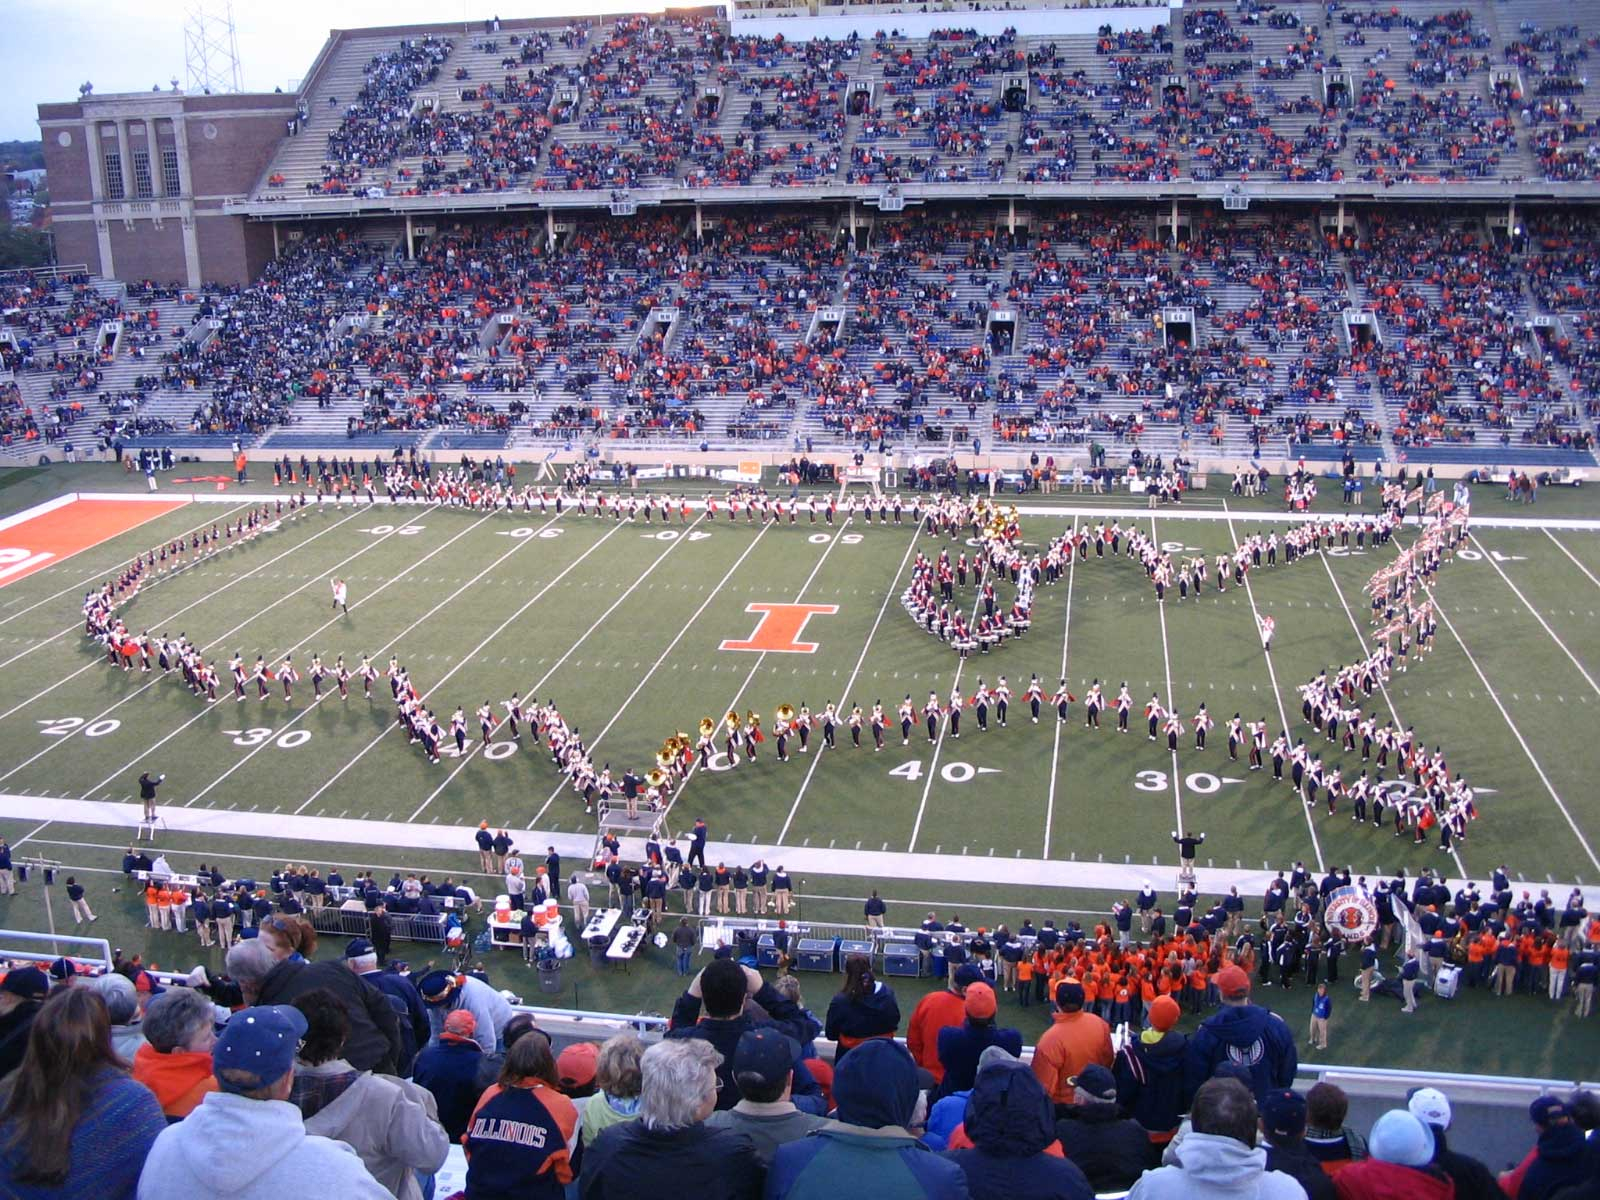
[944, 728]
[1272, 673]
[1382, 687]
[1489, 558]
[556, 666]
[527, 604]
[1515, 732]
[623, 707]
[98, 659]
[1055, 746]
[888, 595]
[1575, 561]
[32, 835]
[761, 657]
[1166, 658]
[99, 576]
[395, 578]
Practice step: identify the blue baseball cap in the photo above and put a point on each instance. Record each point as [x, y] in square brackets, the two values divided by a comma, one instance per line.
[257, 1047]
[359, 948]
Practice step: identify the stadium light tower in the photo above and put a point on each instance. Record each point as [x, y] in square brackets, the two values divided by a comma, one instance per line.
[211, 47]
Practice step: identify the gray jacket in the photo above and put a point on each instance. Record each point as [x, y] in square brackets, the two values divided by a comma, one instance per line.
[391, 1123]
[1212, 1167]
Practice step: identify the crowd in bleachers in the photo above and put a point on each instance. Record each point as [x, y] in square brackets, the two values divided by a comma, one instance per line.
[644, 101]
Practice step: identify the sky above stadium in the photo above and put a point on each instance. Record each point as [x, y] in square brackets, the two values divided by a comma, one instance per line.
[49, 47]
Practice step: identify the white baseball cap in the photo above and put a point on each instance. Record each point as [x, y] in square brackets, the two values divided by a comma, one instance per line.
[1430, 1106]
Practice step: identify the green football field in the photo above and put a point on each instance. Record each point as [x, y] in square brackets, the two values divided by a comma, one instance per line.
[624, 626]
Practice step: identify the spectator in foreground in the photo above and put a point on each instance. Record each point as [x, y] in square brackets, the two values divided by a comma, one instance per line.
[1559, 1159]
[270, 978]
[451, 1069]
[1110, 1149]
[870, 1143]
[1149, 1073]
[934, 1012]
[1011, 1125]
[670, 1141]
[522, 1138]
[246, 1141]
[1328, 1139]
[1473, 1180]
[961, 1045]
[22, 991]
[391, 1123]
[723, 988]
[175, 1060]
[1400, 1164]
[1074, 1040]
[1283, 1122]
[1257, 1033]
[1218, 1159]
[865, 1007]
[122, 1006]
[763, 1068]
[617, 1082]
[72, 1123]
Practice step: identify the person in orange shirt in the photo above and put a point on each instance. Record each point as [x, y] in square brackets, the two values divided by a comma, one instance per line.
[1560, 955]
[152, 906]
[1539, 964]
[1477, 956]
[1025, 981]
[1074, 1040]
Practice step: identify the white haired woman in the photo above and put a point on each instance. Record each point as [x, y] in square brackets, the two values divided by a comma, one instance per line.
[175, 1061]
[670, 1138]
[619, 1078]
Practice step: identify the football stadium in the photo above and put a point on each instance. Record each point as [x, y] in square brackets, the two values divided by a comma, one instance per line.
[978, 560]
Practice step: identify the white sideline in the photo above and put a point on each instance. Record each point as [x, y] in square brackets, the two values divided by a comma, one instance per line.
[800, 861]
[1570, 555]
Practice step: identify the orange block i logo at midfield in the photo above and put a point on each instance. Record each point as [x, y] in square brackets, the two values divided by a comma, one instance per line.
[778, 631]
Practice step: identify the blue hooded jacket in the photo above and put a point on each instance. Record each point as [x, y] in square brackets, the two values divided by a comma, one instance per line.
[875, 1088]
[1255, 1038]
[1010, 1121]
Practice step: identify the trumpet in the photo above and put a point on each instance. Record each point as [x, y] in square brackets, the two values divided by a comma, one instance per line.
[733, 720]
[707, 727]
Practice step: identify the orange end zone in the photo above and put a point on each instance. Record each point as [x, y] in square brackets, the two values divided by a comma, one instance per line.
[44, 540]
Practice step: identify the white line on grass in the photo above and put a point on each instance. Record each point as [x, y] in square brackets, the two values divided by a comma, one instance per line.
[89, 581]
[470, 654]
[655, 666]
[1489, 558]
[761, 657]
[1166, 659]
[1272, 674]
[1570, 555]
[556, 666]
[304, 641]
[99, 659]
[944, 728]
[1055, 745]
[32, 835]
[1515, 732]
[872, 633]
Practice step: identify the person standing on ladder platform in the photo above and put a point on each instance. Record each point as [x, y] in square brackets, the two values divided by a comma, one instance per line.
[1187, 844]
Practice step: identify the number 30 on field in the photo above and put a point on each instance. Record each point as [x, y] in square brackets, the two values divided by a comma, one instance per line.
[260, 735]
[1199, 782]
